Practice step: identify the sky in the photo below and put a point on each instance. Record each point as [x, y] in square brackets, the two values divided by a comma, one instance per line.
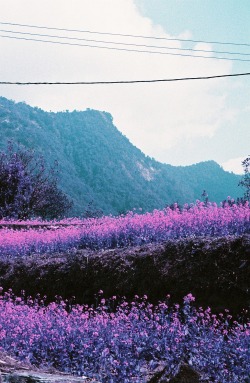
[179, 123]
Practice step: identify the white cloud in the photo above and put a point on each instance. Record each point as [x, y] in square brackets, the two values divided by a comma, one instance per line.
[153, 116]
[234, 165]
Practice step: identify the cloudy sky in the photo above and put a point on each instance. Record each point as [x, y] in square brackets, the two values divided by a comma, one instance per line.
[180, 123]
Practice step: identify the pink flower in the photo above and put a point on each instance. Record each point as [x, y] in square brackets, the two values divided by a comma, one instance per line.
[189, 298]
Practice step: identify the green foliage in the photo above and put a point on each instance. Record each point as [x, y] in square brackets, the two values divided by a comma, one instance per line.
[27, 188]
[91, 211]
[245, 181]
[99, 164]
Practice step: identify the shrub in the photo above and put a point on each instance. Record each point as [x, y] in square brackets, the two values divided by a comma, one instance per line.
[27, 189]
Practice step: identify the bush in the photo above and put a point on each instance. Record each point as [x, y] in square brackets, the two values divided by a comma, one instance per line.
[27, 189]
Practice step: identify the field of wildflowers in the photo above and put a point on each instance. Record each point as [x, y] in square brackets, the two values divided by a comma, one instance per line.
[123, 342]
[132, 229]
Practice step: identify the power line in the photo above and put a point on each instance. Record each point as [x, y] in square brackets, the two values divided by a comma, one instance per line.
[124, 49]
[125, 35]
[126, 81]
[125, 44]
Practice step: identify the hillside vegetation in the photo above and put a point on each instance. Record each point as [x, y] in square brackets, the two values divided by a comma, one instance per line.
[99, 164]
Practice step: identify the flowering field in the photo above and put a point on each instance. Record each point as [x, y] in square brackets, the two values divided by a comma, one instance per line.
[127, 230]
[126, 344]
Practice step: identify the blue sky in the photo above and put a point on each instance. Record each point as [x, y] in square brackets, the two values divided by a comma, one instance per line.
[211, 20]
[177, 123]
[208, 20]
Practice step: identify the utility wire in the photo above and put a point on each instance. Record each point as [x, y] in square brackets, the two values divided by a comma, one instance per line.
[126, 44]
[126, 81]
[125, 35]
[124, 49]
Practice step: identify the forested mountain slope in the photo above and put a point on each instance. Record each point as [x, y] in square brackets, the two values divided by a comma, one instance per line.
[98, 163]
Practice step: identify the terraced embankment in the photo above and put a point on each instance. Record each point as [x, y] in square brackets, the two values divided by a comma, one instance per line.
[215, 270]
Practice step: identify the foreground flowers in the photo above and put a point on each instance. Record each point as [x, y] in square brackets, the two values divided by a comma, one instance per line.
[121, 343]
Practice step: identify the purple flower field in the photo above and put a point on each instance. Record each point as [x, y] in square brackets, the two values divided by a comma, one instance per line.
[126, 230]
[126, 343]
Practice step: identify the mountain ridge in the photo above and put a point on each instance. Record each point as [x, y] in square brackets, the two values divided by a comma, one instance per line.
[99, 164]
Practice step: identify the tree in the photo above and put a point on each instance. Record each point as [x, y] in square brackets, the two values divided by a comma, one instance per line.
[245, 182]
[27, 189]
[204, 195]
[92, 211]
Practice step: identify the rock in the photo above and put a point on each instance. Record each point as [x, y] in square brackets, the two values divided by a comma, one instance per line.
[185, 375]
[40, 377]
[13, 371]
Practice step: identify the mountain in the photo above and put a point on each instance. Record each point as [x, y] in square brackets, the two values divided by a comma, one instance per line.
[98, 163]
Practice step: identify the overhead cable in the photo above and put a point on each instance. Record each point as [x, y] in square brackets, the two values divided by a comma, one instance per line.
[126, 81]
[125, 44]
[124, 49]
[125, 35]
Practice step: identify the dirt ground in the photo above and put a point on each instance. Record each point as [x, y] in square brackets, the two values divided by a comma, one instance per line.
[215, 270]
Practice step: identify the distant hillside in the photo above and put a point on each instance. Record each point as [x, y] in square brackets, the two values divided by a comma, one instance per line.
[99, 164]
